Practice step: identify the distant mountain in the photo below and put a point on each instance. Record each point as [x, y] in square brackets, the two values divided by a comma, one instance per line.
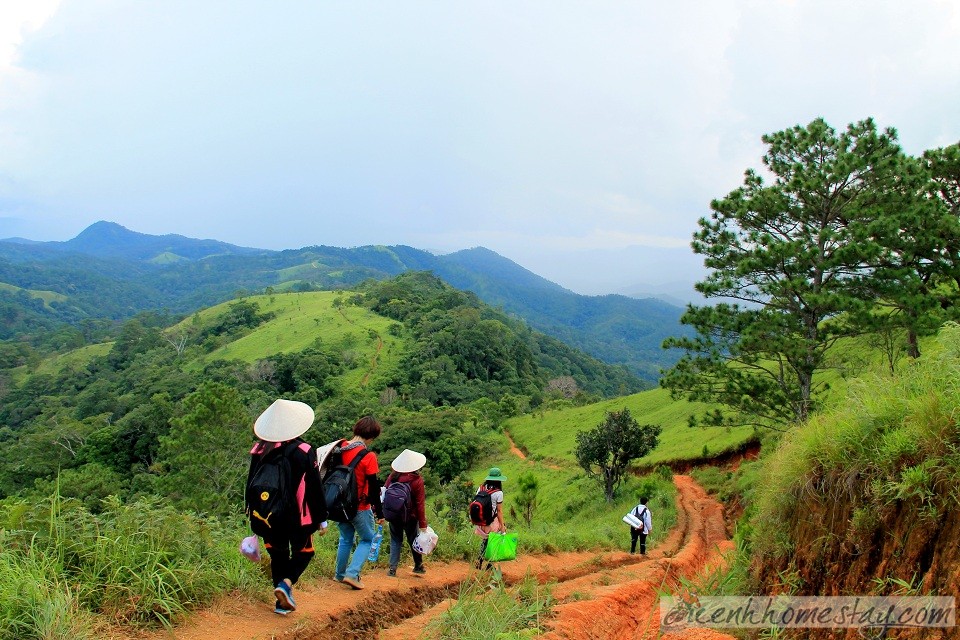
[111, 272]
[110, 240]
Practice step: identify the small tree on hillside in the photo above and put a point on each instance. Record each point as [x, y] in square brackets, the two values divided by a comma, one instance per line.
[526, 497]
[605, 451]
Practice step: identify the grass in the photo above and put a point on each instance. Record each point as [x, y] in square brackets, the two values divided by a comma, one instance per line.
[551, 436]
[309, 319]
[65, 571]
[484, 611]
[75, 358]
[46, 296]
[893, 441]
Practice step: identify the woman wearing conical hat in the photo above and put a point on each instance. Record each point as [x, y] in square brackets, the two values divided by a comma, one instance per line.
[410, 519]
[287, 532]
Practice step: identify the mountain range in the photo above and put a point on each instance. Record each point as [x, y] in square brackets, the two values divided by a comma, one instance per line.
[108, 271]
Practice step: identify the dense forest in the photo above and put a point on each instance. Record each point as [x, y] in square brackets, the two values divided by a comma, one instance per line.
[152, 413]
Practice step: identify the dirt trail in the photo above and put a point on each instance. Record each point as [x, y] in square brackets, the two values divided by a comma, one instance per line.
[514, 449]
[600, 595]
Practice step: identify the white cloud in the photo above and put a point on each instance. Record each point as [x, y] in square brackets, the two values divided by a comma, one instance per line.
[557, 126]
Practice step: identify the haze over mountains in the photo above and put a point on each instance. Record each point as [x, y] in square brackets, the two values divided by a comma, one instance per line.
[110, 271]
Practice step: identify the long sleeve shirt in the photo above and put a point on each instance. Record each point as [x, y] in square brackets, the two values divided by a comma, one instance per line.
[304, 476]
[417, 493]
[643, 513]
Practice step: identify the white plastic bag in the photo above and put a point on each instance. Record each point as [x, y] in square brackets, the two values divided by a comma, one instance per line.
[425, 542]
[250, 548]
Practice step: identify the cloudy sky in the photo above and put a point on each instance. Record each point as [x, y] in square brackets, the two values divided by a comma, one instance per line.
[581, 140]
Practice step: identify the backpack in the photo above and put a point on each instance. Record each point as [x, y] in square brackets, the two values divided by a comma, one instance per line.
[481, 509]
[271, 504]
[397, 502]
[340, 488]
[640, 517]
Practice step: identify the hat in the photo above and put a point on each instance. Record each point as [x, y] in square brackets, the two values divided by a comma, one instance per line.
[283, 420]
[495, 475]
[408, 461]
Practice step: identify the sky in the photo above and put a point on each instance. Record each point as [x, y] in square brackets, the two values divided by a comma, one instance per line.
[583, 140]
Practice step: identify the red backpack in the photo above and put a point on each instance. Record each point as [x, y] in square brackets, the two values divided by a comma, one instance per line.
[481, 509]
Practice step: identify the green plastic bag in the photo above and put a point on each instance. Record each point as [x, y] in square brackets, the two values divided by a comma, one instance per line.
[500, 547]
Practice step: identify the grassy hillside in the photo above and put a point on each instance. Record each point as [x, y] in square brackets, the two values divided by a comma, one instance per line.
[46, 296]
[551, 436]
[302, 320]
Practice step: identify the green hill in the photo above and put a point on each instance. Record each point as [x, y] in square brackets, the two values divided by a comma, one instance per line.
[551, 435]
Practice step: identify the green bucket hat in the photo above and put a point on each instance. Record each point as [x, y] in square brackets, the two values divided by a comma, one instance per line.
[495, 475]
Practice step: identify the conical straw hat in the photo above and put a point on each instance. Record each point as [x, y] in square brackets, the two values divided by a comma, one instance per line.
[283, 420]
[408, 461]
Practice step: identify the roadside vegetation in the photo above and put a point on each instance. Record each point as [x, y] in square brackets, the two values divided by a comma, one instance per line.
[895, 442]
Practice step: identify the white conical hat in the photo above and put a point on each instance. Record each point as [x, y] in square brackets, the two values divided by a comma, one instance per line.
[283, 420]
[408, 461]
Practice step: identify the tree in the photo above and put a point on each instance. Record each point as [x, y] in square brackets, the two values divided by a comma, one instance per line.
[605, 451]
[795, 258]
[526, 497]
[203, 457]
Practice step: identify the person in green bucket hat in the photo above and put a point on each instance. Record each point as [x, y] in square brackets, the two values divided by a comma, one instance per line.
[486, 510]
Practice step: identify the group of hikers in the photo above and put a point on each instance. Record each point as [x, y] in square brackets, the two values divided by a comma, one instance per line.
[292, 492]
[289, 498]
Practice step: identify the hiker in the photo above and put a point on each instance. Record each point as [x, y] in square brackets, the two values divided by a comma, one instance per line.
[284, 498]
[369, 512]
[493, 522]
[642, 514]
[404, 508]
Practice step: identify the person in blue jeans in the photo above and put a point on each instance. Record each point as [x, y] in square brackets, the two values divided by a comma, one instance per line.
[369, 513]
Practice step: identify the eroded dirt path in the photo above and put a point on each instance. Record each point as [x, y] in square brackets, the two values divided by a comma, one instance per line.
[601, 595]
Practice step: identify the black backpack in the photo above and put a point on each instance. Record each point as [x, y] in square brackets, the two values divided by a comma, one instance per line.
[481, 509]
[397, 502]
[271, 503]
[340, 488]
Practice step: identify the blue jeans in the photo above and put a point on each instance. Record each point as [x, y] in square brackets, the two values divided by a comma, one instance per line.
[361, 527]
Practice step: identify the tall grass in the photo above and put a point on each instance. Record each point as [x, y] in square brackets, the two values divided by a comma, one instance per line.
[893, 439]
[63, 570]
[484, 611]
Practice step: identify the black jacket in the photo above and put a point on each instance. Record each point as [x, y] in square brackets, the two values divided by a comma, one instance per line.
[305, 478]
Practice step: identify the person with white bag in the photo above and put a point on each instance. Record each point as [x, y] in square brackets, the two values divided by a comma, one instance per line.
[642, 515]
[404, 508]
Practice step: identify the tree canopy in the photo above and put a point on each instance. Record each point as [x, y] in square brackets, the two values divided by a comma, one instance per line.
[605, 452]
[848, 238]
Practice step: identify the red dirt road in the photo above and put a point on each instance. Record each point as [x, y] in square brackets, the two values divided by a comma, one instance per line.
[611, 595]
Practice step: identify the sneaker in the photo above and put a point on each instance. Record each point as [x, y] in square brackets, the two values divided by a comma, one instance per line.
[353, 582]
[285, 596]
[278, 609]
[419, 570]
[392, 572]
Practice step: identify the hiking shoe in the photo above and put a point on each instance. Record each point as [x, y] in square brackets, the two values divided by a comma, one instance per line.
[279, 610]
[353, 582]
[419, 570]
[285, 596]
[392, 572]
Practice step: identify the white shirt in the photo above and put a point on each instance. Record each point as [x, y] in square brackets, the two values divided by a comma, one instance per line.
[645, 518]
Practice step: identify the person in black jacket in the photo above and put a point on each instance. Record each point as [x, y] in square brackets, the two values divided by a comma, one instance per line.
[290, 544]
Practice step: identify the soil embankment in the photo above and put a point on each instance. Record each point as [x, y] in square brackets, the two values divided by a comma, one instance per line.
[600, 595]
[832, 556]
